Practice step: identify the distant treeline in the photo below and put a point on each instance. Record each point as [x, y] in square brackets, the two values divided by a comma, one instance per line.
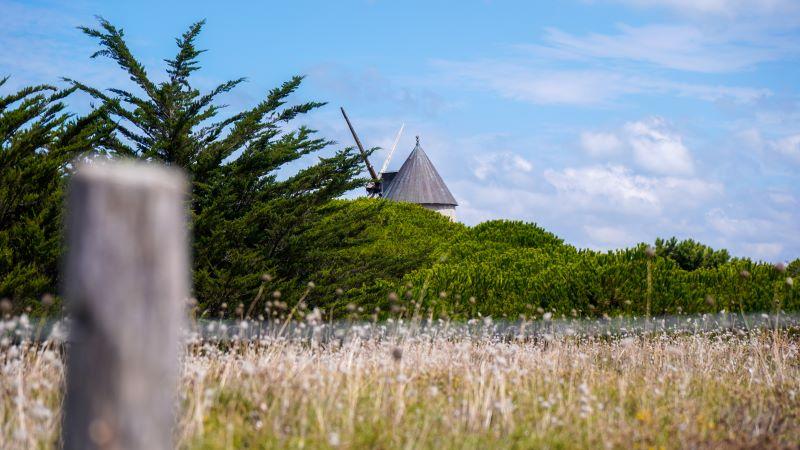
[402, 258]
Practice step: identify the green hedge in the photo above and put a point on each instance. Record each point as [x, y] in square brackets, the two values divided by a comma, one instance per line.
[371, 248]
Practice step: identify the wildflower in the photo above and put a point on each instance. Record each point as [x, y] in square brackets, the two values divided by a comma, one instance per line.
[643, 416]
[266, 277]
[789, 281]
[311, 285]
[392, 296]
[314, 316]
[547, 316]
[5, 306]
[780, 267]
[333, 439]
[339, 291]
[276, 294]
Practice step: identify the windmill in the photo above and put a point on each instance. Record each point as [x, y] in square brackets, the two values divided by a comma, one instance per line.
[417, 181]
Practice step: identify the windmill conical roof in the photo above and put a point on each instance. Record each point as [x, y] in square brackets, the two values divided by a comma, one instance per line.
[417, 181]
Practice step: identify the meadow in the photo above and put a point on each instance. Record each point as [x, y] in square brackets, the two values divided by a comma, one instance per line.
[441, 385]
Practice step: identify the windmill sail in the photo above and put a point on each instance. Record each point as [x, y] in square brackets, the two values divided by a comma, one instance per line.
[394, 147]
[374, 187]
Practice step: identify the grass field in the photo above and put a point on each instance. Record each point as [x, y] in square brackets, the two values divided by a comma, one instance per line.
[415, 388]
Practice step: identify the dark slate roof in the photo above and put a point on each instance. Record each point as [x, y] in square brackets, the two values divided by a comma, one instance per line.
[417, 181]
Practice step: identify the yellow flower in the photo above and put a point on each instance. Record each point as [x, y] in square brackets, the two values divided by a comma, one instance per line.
[644, 416]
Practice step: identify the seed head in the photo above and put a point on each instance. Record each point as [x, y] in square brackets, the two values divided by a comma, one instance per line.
[650, 252]
[744, 274]
[311, 285]
[392, 296]
[339, 291]
[276, 294]
[47, 300]
[780, 267]
[789, 281]
[397, 353]
[266, 277]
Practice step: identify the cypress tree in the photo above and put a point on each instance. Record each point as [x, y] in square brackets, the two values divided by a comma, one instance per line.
[243, 215]
[38, 142]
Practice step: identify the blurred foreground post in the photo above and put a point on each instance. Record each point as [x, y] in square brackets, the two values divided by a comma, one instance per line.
[126, 281]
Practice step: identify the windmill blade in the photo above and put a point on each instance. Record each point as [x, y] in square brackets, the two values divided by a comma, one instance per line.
[361, 148]
[391, 152]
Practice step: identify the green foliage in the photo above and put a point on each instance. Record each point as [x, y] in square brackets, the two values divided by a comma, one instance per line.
[691, 255]
[38, 139]
[243, 216]
[372, 248]
[360, 246]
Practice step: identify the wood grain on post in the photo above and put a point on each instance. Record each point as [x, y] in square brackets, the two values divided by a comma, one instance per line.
[126, 282]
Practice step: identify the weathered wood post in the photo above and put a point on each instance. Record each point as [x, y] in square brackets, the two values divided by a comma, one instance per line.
[126, 281]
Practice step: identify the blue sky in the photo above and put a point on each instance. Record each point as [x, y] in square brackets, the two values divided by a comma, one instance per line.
[608, 122]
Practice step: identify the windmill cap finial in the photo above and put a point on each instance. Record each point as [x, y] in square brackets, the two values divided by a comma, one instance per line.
[417, 140]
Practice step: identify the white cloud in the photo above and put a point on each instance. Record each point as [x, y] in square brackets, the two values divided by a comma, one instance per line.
[371, 85]
[732, 227]
[599, 144]
[768, 251]
[658, 149]
[682, 47]
[789, 147]
[605, 236]
[617, 188]
[504, 164]
[521, 82]
[725, 8]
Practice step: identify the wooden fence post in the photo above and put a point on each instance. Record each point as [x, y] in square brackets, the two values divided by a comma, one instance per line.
[126, 283]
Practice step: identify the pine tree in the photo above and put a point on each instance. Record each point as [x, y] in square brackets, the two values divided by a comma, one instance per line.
[242, 214]
[38, 141]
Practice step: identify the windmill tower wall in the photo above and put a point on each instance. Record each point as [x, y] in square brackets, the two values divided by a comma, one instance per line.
[419, 182]
[448, 211]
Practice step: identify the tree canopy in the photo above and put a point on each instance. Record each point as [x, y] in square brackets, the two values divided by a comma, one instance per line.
[242, 213]
[38, 142]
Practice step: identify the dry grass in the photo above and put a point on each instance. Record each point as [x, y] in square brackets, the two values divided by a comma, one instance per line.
[417, 389]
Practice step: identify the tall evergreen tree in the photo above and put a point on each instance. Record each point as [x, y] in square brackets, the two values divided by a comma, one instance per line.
[242, 213]
[38, 141]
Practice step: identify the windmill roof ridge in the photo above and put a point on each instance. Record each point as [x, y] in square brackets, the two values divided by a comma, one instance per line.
[418, 181]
